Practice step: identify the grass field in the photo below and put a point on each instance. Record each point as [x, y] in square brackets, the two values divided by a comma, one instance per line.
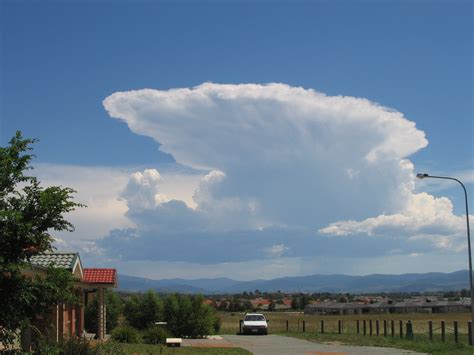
[140, 349]
[421, 342]
[277, 322]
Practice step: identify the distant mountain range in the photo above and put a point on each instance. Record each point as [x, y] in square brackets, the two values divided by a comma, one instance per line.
[433, 281]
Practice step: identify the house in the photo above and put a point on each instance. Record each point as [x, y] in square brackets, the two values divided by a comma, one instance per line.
[67, 320]
[388, 306]
[260, 303]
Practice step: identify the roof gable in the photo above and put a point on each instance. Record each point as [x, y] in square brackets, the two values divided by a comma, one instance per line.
[67, 260]
[102, 276]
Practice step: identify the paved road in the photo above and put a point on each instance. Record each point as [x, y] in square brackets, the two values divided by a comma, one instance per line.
[281, 345]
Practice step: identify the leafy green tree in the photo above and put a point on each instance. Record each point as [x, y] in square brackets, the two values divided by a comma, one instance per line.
[142, 311]
[189, 316]
[28, 214]
[114, 308]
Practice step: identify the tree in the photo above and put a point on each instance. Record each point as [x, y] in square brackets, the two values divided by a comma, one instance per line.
[28, 213]
[114, 308]
[189, 316]
[143, 311]
[295, 303]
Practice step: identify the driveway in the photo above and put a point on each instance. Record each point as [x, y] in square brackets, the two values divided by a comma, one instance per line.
[281, 345]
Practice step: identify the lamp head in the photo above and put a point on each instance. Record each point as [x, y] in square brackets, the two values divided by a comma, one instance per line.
[422, 176]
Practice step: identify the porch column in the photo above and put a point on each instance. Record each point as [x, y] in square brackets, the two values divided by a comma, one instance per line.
[72, 320]
[80, 312]
[102, 314]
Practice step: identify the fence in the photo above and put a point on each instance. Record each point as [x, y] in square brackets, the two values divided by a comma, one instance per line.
[374, 327]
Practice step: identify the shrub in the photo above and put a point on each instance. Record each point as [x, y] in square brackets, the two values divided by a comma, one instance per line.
[156, 335]
[126, 334]
[108, 348]
[77, 346]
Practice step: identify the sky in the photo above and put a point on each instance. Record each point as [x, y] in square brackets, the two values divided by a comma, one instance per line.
[248, 139]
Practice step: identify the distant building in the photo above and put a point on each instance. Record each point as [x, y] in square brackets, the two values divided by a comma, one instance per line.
[418, 306]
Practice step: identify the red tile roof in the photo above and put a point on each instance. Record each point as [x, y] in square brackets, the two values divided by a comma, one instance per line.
[100, 276]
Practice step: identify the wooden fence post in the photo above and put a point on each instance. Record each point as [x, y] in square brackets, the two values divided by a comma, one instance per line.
[304, 326]
[443, 331]
[298, 325]
[240, 325]
[385, 328]
[322, 326]
[469, 331]
[358, 326]
[370, 327]
[392, 326]
[430, 329]
[377, 327]
[401, 329]
[287, 325]
[339, 327]
[456, 335]
[364, 327]
[409, 330]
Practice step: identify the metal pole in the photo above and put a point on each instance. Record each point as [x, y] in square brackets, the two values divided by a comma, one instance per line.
[422, 176]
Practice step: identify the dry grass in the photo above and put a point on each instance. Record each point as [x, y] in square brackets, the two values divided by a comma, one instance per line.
[277, 324]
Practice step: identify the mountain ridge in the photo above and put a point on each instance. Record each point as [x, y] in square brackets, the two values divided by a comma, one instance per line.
[335, 283]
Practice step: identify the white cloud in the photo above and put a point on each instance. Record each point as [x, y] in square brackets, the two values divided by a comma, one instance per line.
[99, 189]
[277, 164]
[296, 155]
[425, 217]
[142, 190]
[102, 190]
[276, 250]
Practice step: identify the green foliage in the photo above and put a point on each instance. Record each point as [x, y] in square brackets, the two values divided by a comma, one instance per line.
[28, 213]
[156, 335]
[114, 306]
[142, 311]
[126, 334]
[188, 316]
[78, 346]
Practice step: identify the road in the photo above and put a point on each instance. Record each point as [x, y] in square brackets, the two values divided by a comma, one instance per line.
[281, 345]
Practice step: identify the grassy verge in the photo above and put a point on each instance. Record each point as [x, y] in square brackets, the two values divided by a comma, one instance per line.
[230, 321]
[163, 350]
[421, 343]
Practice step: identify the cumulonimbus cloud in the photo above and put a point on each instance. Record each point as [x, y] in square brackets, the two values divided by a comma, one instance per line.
[280, 160]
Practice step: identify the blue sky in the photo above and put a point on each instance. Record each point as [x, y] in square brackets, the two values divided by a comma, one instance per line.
[61, 59]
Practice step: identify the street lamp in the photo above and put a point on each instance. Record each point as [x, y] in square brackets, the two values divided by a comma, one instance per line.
[424, 176]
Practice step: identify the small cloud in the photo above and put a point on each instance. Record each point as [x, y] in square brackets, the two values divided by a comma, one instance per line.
[275, 251]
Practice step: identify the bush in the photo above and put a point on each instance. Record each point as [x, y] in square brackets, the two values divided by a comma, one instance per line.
[156, 335]
[126, 334]
[77, 346]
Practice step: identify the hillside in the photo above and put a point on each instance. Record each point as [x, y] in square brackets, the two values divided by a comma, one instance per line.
[435, 281]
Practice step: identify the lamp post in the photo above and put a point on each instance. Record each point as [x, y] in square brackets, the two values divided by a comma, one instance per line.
[424, 176]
